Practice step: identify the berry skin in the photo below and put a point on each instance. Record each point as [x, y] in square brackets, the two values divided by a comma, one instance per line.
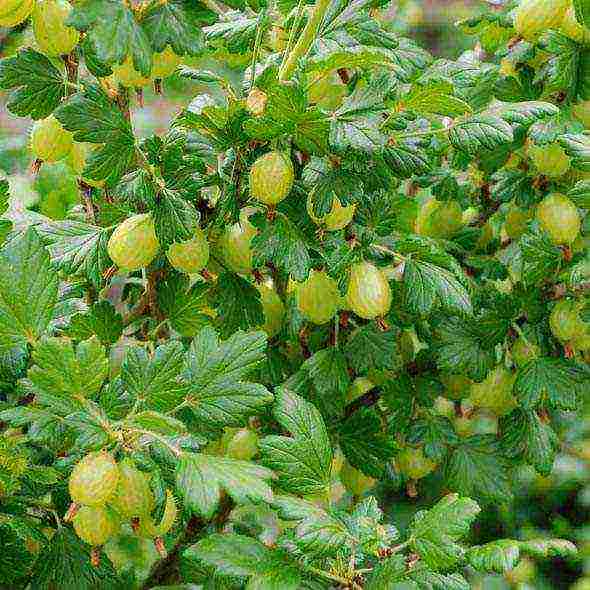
[14, 12]
[133, 496]
[236, 243]
[148, 529]
[369, 294]
[243, 445]
[573, 29]
[53, 37]
[95, 525]
[534, 17]
[356, 482]
[94, 479]
[256, 102]
[273, 308]
[522, 352]
[439, 220]
[271, 178]
[338, 217]
[318, 298]
[191, 256]
[495, 392]
[134, 244]
[413, 464]
[560, 218]
[516, 222]
[550, 159]
[127, 75]
[565, 321]
[165, 63]
[50, 142]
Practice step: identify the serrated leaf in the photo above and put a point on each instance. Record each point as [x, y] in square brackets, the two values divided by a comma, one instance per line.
[582, 12]
[435, 434]
[434, 533]
[28, 291]
[526, 113]
[406, 160]
[174, 218]
[200, 480]
[577, 147]
[101, 320]
[436, 99]
[158, 422]
[78, 248]
[498, 556]
[544, 548]
[218, 392]
[303, 462]
[365, 443]
[480, 133]
[579, 194]
[556, 381]
[39, 85]
[371, 348]
[541, 258]
[477, 469]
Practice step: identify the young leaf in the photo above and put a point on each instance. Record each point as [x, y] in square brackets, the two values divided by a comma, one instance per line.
[479, 133]
[201, 478]
[101, 320]
[303, 462]
[498, 556]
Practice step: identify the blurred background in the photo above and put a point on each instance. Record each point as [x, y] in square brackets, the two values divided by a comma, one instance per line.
[558, 505]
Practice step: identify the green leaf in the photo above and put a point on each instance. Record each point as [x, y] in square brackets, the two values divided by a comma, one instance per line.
[498, 556]
[541, 258]
[155, 380]
[39, 85]
[281, 243]
[63, 376]
[577, 147]
[201, 478]
[477, 469]
[94, 118]
[65, 564]
[387, 574]
[157, 422]
[579, 194]
[427, 285]
[238, 304]
[179, 24]
[318, 531]
[526, 113]
[217, 391]
[557, 381]
[183, 304]
[461, 348]
[561, 72]
[406, 160]
[435, 532]
[78, 248]
[525, 436]
[370, 348]
[365, 443]
[436, 99]
[114, 33]
[480, 133]
[582, 10]
[236, 30]
[304, 461]
[237, 555]
[101, 320]
[548, 548]
[175, 219]
[323, 379]
[28, 291]
[435, 434]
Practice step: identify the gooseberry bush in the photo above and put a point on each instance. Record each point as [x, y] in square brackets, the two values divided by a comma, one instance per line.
[348, 270]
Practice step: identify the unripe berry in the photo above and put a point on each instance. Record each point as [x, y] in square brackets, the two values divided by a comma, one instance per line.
[95, 525]
[127, 75]
[356, 482]
[271, 178]
[369, 294]
[164, 64]
[256, 102]
[550, 159]
[413, 464]
[560, 218]
[149, 529]
[133, 496]
[533, 17]
[438, 219]
[14, 12]
[516, 222]
[243, 445]
[495, 392]
[191, 256]
[94, 479]
[565, 321]
[318, 297]
[236, 243]
[523, 352]
[134, 244]
[51, 33]
[338, 217]
[273, 309]
[50, 142]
